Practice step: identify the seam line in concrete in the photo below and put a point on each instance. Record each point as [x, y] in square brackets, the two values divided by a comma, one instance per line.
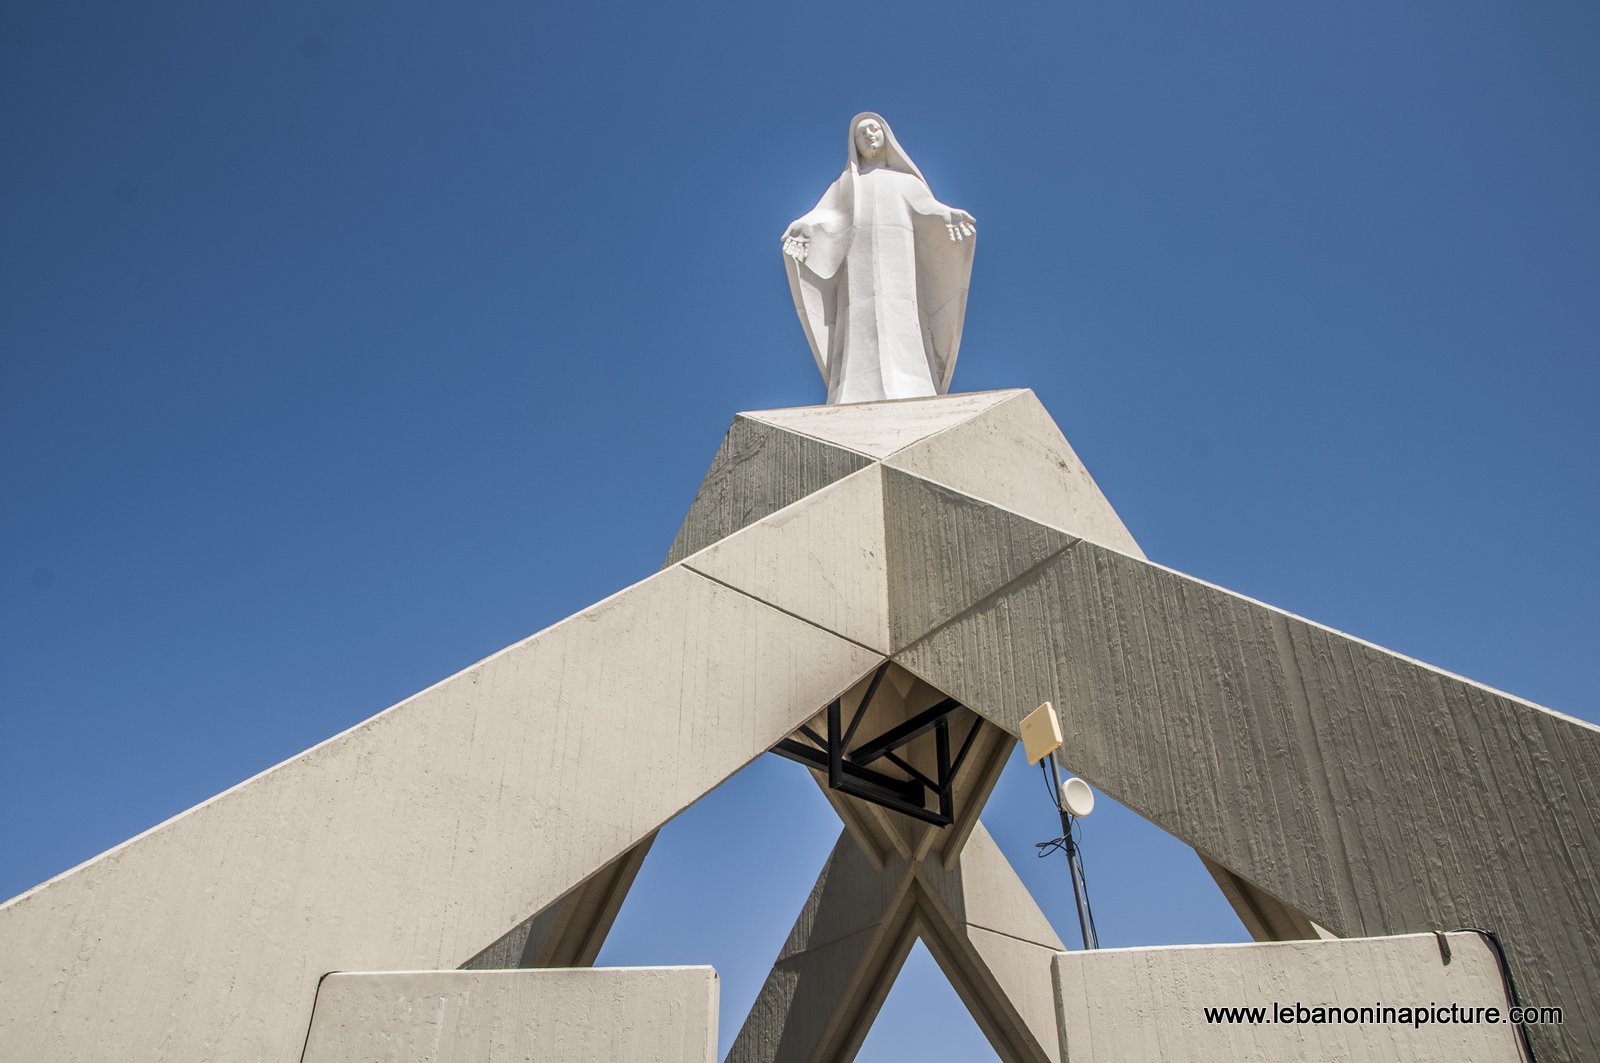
[832, 443]
[873, 929]
[781, 609]
[811, 438]
[871, 462]
[1014, 937]
[1003, 508]
[993, 595]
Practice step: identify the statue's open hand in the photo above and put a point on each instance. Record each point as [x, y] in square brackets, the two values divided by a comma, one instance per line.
[960, 225]
[797, 241]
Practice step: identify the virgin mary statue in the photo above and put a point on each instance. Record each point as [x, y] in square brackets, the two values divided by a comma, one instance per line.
[879, 272]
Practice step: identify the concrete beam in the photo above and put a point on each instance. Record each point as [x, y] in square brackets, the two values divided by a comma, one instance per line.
[947, 551]
[821, 558]
[1265, 916]
[415, 838]
[571, 931]
[1372, 793]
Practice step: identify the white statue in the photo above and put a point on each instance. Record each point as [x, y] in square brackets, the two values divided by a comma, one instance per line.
[879, 272]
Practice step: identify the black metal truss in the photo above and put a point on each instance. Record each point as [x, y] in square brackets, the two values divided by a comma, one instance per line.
[847, 769]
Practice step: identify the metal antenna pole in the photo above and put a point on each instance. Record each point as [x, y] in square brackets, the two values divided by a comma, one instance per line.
[1080, 888]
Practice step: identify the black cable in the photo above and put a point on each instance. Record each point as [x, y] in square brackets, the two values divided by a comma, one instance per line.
[1506, 981]
[1088, 906]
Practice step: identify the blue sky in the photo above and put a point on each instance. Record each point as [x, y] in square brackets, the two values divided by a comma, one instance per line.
[341, 345]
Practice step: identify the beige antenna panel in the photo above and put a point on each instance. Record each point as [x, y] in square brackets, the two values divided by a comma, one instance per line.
[1041, 733]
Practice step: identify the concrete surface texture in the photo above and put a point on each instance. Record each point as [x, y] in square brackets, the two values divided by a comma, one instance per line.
[879, 272]
[1149, 1003]
[633, 1014]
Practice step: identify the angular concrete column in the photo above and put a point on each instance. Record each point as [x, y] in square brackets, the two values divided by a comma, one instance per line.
[570, 931]
[858, 925]
[837, 965]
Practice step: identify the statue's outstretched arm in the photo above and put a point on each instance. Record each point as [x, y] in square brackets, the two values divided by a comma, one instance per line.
[957, 222]
[820, 237]
[797, 237]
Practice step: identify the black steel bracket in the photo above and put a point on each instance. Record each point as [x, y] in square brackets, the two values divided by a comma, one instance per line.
[847, 769]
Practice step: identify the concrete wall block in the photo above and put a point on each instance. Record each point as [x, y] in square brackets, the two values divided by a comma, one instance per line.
[415, 839]
[638, 1014]
[1126, 1005]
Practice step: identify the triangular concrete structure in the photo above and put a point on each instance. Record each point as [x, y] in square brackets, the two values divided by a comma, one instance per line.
[950, 553]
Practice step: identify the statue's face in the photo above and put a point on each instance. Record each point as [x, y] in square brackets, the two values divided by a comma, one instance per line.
[870, 139]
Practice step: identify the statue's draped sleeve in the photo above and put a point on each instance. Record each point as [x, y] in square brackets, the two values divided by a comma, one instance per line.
[812, 282]
[944, 272]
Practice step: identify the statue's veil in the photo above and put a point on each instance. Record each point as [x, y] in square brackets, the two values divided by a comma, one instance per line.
[943, 266]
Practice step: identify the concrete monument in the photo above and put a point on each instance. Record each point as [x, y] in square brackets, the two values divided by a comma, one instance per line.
[879, 271]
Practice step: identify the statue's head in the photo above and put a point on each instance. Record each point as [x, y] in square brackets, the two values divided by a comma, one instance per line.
[872, 144]
[870, 140]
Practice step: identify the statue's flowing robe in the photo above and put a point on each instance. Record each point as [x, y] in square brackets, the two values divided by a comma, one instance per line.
[883, 290]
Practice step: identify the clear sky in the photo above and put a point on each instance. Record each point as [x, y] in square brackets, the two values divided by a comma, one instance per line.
[344, 344]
